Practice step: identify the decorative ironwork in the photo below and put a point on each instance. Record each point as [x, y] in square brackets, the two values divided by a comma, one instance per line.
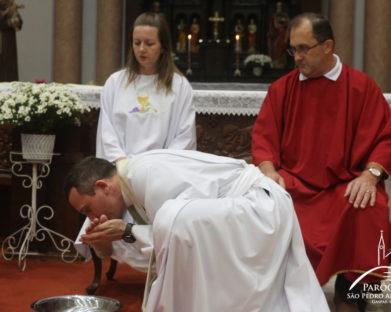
[18, 243]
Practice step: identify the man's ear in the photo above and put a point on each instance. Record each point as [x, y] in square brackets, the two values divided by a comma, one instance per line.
[329, 45]
[102, 184]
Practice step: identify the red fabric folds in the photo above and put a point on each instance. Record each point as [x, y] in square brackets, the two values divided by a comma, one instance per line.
[321, 134]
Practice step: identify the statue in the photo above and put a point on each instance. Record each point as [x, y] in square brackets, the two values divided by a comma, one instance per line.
[195, 34]
[252, 36]
[156, 7]
[10, 22]
[181, 43]
[277, 37]
[239, 30]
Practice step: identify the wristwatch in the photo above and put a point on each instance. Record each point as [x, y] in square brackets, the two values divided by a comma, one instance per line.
[128, 236]
[375, 172]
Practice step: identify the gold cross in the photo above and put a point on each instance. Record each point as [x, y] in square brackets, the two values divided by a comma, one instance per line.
[216, 19]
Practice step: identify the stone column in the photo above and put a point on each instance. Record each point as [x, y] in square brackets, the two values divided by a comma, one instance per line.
[341, 16]
[108, 38]
[67, 41]
[377, 44]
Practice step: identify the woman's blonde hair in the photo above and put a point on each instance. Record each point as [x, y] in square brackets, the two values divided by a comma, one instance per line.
[165, 67]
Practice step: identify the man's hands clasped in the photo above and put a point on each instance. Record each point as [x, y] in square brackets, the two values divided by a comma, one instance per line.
[103, 230]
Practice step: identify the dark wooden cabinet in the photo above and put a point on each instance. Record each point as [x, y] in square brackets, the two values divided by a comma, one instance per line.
[216, 57]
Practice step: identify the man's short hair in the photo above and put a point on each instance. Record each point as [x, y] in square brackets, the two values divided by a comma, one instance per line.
[321, 27]
[85, 173]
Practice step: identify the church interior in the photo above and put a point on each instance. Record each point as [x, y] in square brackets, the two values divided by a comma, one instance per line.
[215, 45]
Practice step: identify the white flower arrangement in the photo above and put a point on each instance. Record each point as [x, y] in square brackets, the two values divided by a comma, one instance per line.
[257, 60]
[39, 107]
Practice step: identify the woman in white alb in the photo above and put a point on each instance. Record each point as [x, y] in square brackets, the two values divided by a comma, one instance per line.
[148, 104]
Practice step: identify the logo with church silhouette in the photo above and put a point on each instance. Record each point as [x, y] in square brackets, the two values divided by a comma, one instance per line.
[374, 292]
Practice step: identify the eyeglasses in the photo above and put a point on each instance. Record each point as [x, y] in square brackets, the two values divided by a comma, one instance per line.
[303, 49]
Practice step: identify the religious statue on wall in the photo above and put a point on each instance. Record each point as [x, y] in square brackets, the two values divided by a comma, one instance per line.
[252, 36]
[195, 35]
[156, 7]
[239, 31]
[10, 22]
[181, 43]
[277, 37]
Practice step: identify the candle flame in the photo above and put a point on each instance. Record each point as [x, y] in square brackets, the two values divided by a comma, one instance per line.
[189, 37]
[237, 37]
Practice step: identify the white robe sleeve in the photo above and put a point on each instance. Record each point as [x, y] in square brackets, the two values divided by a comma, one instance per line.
[107, 144]
[182, 132]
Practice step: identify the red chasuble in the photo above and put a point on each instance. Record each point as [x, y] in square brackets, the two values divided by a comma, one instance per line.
[321, 134]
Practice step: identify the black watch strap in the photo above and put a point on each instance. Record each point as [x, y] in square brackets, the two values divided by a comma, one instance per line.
[128, 235]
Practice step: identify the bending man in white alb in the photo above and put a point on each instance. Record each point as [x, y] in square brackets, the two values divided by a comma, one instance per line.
[226, 237]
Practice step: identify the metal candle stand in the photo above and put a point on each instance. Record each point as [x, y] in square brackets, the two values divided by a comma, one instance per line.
[237, 51]
[18, 242]
[189, 72]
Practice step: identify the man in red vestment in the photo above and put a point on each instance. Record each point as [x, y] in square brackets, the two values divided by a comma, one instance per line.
[324, 133]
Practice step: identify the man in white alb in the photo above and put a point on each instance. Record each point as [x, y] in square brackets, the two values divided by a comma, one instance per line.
[226, 238]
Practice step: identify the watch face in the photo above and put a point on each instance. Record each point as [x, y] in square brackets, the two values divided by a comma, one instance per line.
[128, 236]
[375, 172]
[129, 239]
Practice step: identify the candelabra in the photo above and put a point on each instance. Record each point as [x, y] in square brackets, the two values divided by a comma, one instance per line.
[18, 243]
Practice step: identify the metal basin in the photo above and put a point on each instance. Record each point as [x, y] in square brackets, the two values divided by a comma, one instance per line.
[76, 303]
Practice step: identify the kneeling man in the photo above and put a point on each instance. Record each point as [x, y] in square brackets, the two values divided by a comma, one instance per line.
[226, 238]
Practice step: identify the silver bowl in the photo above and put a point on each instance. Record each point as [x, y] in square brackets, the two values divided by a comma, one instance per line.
[76, 303]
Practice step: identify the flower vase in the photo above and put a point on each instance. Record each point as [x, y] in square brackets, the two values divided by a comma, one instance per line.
[37, 146]
[257, 71]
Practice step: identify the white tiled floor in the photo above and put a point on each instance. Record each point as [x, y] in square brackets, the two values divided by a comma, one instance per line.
[329, 293]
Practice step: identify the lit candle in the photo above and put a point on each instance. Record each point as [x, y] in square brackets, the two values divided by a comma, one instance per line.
[189, 42]
[188, 71]
[237, 37]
